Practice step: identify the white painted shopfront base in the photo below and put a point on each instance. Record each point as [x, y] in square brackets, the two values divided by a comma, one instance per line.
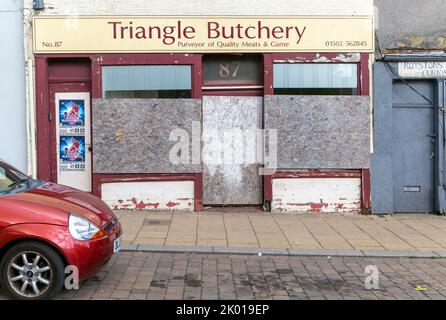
[317, 195]
[153, 195]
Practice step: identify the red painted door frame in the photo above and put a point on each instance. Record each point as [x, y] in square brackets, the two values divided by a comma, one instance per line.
[42, 124]
[45, 112]
[238, 90]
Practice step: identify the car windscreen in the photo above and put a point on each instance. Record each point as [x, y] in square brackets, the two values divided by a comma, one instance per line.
[9, 178]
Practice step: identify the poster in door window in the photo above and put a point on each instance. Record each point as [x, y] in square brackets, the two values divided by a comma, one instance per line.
[72, 153]
[71, 117]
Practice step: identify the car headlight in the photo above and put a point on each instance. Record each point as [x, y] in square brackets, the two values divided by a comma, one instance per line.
[82, 229]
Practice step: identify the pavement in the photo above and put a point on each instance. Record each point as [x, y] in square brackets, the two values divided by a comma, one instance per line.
[191, 276]
[398, 235]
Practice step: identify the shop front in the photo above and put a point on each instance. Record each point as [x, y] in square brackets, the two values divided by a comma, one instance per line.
[190, 113]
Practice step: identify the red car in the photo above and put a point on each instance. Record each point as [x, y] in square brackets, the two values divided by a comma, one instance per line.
[45, 227]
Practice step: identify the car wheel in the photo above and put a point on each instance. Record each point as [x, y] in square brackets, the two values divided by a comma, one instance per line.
[32, 271]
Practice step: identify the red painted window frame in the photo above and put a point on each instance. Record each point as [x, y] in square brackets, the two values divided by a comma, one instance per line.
[363, 90]
[100, 60]
[270, 58]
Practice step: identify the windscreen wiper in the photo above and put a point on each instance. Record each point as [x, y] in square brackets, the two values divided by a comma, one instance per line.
[18, 182]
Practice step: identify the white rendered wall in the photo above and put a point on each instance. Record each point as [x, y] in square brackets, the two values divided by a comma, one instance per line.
[207, 7]
[12, 86]
[154, 195]
[317, 195]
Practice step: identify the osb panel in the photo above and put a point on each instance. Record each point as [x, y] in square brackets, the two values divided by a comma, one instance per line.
[320, 132]
[132, 135]
[231, 182]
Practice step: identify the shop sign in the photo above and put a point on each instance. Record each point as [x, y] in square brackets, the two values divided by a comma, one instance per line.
[93, 34]
[422, 69]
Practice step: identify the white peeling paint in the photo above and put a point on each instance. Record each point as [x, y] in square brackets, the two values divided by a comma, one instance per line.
[153, 195]
[317, 195]
[351, 57]
[321, 58]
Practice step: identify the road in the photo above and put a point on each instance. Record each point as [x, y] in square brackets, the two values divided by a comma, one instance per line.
[144, 275]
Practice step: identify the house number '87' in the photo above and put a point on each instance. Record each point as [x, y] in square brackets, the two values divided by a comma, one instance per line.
[229, 69]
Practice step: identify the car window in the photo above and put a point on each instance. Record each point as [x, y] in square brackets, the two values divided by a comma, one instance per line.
[6, 179]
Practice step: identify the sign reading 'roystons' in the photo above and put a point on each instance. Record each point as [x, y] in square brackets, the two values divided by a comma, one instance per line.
[89, 34]
[422, 69]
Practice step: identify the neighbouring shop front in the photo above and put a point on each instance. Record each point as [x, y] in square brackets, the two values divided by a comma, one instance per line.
[189, 113]
[408, 162]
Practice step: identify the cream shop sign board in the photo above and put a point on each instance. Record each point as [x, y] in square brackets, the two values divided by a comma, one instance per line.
[195, 34]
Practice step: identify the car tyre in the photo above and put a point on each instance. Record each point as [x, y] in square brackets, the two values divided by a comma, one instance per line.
[44, 278]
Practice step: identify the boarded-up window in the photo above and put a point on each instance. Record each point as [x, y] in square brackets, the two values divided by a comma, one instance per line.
[316, 79]
[148, 81]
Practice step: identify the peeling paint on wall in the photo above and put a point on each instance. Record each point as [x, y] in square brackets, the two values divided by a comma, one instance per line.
[314, 195]
[347, 57]
[410, 25]
[154, 195]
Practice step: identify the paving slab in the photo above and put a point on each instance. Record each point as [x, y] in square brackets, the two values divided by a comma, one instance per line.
[405, 235]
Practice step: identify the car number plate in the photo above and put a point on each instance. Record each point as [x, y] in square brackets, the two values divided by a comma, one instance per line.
[117, 245]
